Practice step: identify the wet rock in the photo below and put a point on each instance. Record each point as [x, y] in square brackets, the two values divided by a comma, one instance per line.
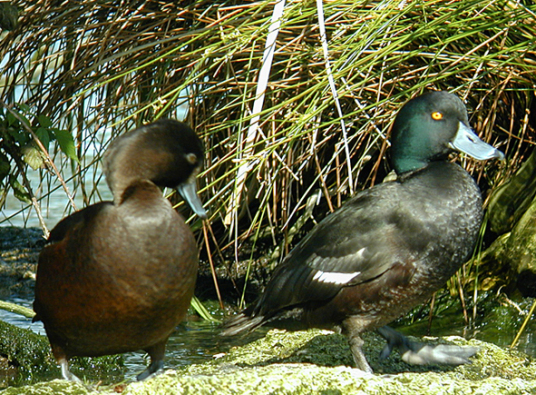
[19, 252]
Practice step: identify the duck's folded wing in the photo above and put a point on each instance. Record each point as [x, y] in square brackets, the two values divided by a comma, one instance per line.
[76, 221]
[63, 245]
[357, 244]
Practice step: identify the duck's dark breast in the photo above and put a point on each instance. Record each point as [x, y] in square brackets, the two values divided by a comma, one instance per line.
[120, 279]
[428, 230]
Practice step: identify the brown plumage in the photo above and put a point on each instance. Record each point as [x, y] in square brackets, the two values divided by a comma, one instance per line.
[119, 276]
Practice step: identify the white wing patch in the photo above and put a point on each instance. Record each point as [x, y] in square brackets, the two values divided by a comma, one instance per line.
[334, 277]
[337, 277]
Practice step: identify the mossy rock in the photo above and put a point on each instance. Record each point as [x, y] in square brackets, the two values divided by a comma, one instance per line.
[512, 199]
[25, 355]
[517, 250]
[25, 351]
[315, 362]
[512, 208]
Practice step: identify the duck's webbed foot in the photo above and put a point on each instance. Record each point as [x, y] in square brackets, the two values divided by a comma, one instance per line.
[154, 367]
[156, 353]
[415, 353]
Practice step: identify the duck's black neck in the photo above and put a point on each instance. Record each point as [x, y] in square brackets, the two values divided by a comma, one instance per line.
[440, 166]
[412, 164]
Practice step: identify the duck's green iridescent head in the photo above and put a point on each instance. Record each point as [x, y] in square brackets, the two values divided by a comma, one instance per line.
[431, 126]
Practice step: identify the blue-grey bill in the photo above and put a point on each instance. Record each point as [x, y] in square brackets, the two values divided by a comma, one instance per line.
[469, 143]
[188, 191]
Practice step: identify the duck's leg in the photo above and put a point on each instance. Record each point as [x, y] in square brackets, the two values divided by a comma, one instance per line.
[352, 330]
[66, 373]
[63, 361]
[415, 353]
[156, 353]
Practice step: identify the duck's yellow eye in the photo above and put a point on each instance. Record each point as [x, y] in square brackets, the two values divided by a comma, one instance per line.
[436, 115]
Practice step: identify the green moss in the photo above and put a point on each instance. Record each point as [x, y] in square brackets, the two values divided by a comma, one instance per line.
[281, 364]
[49, 388]
[24, 349]
[315, 362]
[29, 356]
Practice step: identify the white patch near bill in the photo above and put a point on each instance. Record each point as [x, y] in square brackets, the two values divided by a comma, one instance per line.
[334, 277]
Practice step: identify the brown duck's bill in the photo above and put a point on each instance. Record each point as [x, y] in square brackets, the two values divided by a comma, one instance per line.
[188, 191]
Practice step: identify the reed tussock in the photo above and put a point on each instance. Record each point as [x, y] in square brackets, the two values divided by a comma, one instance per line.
[94, 66]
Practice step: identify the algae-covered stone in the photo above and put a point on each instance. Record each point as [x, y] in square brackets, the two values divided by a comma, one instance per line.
[513, 207]
[521, 249]
[521, 244]
[27, 351]
[512, 199]
[49, 388]
[28, 356]
[292, 363]
[258, 368]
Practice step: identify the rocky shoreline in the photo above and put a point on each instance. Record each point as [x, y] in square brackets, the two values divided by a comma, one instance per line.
[315, 362]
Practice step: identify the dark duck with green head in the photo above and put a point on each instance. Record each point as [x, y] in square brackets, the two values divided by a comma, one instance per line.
[119, 276]
[390, 247]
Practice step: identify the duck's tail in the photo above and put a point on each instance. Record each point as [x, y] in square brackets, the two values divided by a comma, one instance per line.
[241, 323]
